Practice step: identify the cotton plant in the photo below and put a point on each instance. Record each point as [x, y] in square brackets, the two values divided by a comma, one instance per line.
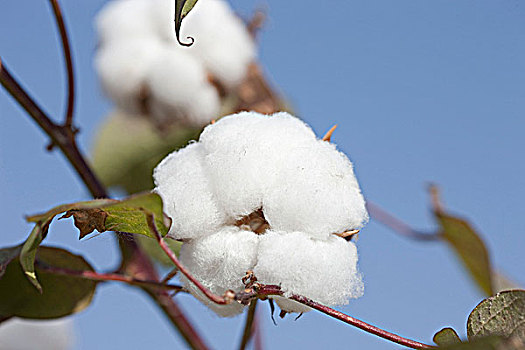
[261, 194]
[145, 71]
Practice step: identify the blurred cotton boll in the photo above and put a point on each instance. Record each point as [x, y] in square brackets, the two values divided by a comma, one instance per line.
[145, 71]
[21, 334]
[222, 42]
[261, 193]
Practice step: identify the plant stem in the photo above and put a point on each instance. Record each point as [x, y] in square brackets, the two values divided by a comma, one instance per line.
[132, 255]
[361, 324]
[61, 136]
[249, 327]
[105, 277]
[260, 290]
[66, 49]
[217, 299]
[397, 225]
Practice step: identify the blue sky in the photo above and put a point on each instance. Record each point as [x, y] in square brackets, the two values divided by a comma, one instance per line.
[423, 91]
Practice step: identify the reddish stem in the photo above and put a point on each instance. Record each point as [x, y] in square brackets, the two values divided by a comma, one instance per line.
[361, 324]
[104, 277]
[213, 297]
[66, 49]
[265, 290]
[259, 290]
[397, 225]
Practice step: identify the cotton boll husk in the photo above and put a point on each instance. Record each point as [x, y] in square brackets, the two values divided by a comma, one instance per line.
[222, 41]
[318, 193]
[322, 270]
[122, 20]
[21, 334]
[179, 89]
[219, 262]
[122, 69]
[241, 155]
[188, 201]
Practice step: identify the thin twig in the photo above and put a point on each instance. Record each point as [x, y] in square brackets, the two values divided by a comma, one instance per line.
[66, 48]
[64, 138]
[397, 225]
[249, 326]
[61, 136]
[221, 300]
[257, 337]
[170, 275]
[260, 290]
[361, 325]
[106, 277]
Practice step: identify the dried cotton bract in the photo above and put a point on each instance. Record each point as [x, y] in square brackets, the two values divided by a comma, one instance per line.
[145, 71]
[262, 193]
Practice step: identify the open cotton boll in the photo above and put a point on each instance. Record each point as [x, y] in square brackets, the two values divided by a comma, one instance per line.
[185, 192]
[122, 20]
[179, 89]
[20, 334]
[242, 153]
[322, 270]
[318, 193]
[222, 41]
[122, 69]
[219, 262]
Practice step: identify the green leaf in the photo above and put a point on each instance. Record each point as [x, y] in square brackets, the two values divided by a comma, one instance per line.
[28, 252]
[62, 295]
[6, 256]
[128, 215]
[182, 8]
[501, 315]
[469, 247]
[127, 161]
[446, 336]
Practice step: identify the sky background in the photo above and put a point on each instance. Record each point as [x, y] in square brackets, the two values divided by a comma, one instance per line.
[423, 91]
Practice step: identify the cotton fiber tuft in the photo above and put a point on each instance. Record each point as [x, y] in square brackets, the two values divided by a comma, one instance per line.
[261, 193]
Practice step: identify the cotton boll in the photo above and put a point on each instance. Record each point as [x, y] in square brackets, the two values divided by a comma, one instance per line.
[242, 152]
[20, 334]
[188, 201]
[318, 193]
[122, 20]
[219, 262]
[222, 42]
[322, 270]
[123, 67]
[180, 90]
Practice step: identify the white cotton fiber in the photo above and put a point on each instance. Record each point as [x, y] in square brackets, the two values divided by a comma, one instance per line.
[145, 71]
[180, 89]
[317, 193]
[222, 42]
[219, 262]
[242, 153]
[21, 334]
[123, 20]
[122, 69]
[185, 192]
[271, 166]
[322, 270]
